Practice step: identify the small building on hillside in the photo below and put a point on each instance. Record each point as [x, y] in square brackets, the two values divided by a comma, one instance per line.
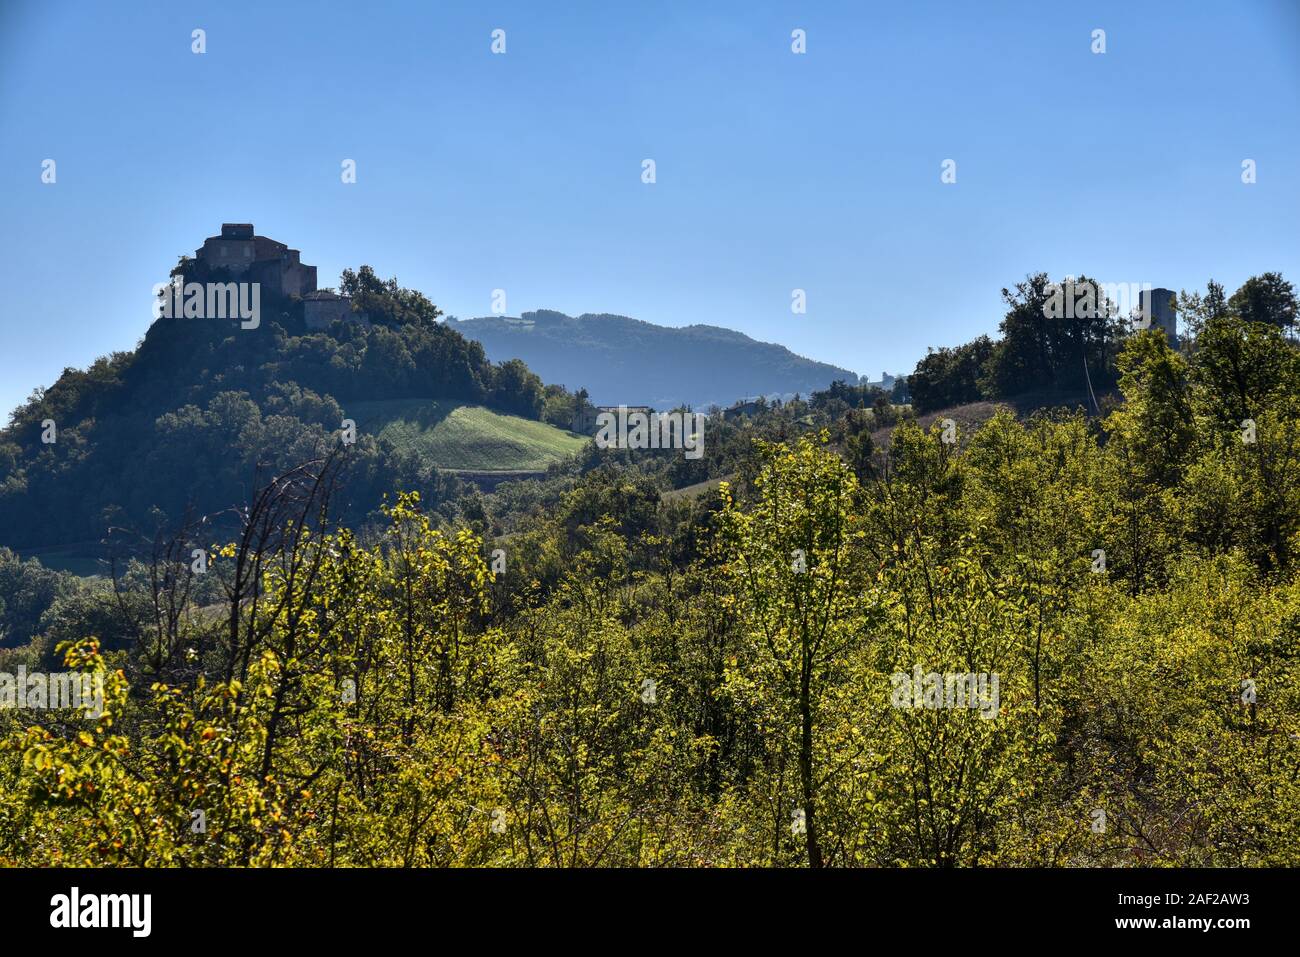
[748, 407]
[584, 419]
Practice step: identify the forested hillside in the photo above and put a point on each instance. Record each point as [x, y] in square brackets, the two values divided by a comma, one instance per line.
[202, 410]
[603, 675]
[622, 360]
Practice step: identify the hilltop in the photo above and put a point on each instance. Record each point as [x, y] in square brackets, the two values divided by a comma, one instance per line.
[207, 406]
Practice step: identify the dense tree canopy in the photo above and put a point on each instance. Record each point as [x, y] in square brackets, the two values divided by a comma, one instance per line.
[1042, 641]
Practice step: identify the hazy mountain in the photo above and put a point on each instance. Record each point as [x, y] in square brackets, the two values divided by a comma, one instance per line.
[622, 360]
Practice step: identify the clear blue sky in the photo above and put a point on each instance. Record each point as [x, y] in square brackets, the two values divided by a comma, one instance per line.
[523, 171]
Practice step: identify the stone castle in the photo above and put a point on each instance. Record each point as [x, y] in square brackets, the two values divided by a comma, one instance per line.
[278, 269]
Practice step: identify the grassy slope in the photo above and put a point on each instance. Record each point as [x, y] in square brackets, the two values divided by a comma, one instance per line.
[709, 487]
[452, 435]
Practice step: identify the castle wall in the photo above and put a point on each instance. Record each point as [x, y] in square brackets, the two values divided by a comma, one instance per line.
[237, 255]
[319, 313]
[299, 280]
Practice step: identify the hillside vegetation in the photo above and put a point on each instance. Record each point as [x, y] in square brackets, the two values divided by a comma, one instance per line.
[630, 679]
[203, 409]
[1042, 358]
[454, 435]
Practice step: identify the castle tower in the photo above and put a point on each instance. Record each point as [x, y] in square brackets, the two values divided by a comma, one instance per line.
[1160, 306]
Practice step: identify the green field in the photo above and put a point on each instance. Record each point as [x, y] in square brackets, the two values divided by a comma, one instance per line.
[452, 435]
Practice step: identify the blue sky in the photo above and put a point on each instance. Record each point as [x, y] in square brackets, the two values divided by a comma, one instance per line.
[775, 171]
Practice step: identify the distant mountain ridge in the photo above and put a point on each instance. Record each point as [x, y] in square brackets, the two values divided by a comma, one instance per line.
[618, 359]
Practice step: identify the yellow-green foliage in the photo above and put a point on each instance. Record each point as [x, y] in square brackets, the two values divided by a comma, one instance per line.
[608, 702]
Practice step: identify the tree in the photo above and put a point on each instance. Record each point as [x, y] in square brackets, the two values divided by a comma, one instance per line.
[1266, 298]
[1197, 310]
[516, 389]
[796, 576]
[1057, 337]
[947, 377]
[1151, 440]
